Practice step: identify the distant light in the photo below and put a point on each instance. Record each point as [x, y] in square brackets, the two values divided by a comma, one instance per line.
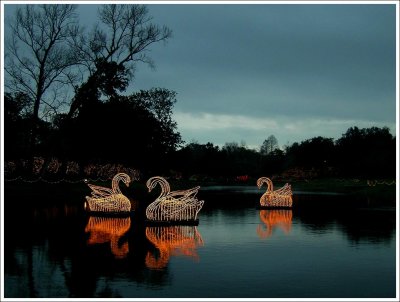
[180, 205]
[279, 198]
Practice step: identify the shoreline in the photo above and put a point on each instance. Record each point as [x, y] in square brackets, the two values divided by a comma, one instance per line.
[67, 192]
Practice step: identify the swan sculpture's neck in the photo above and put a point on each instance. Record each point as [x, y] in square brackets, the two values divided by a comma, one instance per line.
[262, 180]
[165, 188]
[115, 183]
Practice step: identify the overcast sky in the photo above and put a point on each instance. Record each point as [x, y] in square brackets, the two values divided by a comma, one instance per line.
[244, 72]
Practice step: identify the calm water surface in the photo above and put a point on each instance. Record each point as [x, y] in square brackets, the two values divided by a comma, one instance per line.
[326, 246]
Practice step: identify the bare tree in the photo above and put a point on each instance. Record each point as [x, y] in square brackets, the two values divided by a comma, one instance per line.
[269, 145]
[37, 56]
[123, 38]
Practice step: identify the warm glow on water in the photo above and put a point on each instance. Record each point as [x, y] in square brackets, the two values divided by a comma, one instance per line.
[109, 229]
[172, 241]
[317, 249]
[273, 219]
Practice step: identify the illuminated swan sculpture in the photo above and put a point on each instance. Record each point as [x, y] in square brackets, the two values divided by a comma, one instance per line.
[180, 205]
[278, 198]
[109, 200]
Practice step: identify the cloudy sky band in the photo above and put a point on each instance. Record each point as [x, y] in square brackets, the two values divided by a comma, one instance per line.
[263, 69]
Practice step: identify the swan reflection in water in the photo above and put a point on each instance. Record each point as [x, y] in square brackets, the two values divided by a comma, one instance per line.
[109, 229]
[172, 241]
[273, 219]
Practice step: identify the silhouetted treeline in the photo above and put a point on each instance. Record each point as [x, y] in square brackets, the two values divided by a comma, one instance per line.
[134, 130]
[369, 152]
[138, 131]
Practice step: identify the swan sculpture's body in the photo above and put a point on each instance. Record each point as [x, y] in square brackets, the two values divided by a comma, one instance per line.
[181, 205]
[109, 200]
[278, 198]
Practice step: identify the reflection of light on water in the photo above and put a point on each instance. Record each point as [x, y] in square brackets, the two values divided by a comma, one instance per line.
[172, 241]
[107, 229]
[273, 219]
[55, 212]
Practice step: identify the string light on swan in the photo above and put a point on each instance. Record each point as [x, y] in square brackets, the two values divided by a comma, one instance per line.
[109, 200]
[181, 205]
[278, 198]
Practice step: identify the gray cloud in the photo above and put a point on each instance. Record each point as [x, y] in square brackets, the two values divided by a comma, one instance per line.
[323, 61]
[291, 64]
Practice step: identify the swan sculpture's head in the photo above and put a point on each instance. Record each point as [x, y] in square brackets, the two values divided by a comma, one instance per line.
[124, 178]
[153, 181]
[263, 180]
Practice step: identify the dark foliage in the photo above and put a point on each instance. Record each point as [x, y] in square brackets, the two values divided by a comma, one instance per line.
[200, 159]
[368, 151]
[315, 153]
[119, 130]
[139, 131]
[18, 127]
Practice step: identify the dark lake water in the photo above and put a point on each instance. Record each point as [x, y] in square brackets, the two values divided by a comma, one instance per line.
[327, 246]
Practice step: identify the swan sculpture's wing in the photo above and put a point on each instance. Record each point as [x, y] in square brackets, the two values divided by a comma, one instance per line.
[98, 192]
[111, 203]
[185, 202]
[285, 190]
[184, 194]
[181, 207]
